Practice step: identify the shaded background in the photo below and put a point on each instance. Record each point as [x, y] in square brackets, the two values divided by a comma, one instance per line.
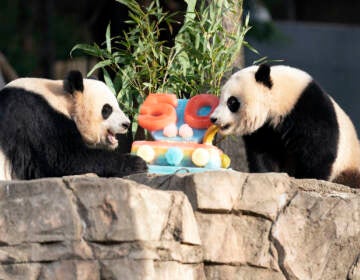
[321, 37]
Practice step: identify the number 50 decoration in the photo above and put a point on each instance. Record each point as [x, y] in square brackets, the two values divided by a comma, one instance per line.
[158, 111]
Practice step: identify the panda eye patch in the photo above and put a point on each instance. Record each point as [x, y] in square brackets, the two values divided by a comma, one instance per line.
[233, 104]
[106, 111]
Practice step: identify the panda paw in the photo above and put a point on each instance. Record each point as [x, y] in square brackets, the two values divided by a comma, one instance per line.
[134, 164]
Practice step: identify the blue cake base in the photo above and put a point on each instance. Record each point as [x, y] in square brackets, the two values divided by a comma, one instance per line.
[159, 169]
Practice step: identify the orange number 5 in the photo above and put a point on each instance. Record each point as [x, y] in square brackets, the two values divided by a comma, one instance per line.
[158, 111]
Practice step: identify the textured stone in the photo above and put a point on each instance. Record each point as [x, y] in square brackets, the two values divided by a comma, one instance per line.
[70, 270]
[232, 239]
[237, 226]
[226, 272]
[202, 189]
[265, 194]
[125, 269]
[354, 272]
[318, 235]
[76, 227]
[29, 271]
[37, 211]
[209, 185]
[45, 252]
[122, 269]
[174, 271]
[154, 250]
[219, 191]
[132, 212]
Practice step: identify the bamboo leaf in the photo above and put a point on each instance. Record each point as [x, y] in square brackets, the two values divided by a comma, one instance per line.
[260, 60]
[86, 48]
[190, 11]
[108, 38]
[108, 81]
[246, 44]
[117, 83]
[98, 65]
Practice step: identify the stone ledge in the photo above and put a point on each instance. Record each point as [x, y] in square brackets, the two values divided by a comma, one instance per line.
[212, 225]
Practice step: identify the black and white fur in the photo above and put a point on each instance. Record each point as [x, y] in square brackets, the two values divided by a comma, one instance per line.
[51, 128]
[289, 125]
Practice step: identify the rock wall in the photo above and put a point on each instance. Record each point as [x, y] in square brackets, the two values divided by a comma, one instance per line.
[213, 225]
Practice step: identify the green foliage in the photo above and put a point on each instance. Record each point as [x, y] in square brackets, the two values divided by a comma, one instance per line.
[140, 63]
[138, 60]
[207, 50]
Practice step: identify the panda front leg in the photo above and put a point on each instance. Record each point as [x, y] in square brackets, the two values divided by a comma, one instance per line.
[104, 163]
[260, 162]
[263, 150]
[132, 164]
[114, 164]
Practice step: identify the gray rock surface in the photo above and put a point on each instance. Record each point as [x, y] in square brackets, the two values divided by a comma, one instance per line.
[212, 225]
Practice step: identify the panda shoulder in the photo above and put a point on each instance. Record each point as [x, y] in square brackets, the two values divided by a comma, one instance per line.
[295, 73]
[51, 90]
[38, 86]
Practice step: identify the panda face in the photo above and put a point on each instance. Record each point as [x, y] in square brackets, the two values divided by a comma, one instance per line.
[98, 116]
[89, 103]
[243, 106]
[253, 96]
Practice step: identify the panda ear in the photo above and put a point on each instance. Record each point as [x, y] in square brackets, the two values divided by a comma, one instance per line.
[262, 75]
[73, 82]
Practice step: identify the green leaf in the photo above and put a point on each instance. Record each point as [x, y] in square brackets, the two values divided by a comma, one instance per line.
[147, 85]
[247, 18]
[246, 44]
[100, 64]
[117, 83]
[258, 61]
[108, 81]
[108, 38]
[86, 48]
[190, 11]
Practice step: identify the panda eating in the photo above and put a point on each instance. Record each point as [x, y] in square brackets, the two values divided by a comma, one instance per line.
[289, 124]
[52, 128]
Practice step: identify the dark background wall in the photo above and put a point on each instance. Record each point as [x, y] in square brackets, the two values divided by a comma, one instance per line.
[35, 34]
[322, 37]
[329, 52]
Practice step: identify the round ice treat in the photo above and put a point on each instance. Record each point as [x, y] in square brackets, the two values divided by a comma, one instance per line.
[185, 131]
[200, 157]
[215, 160]
[146, 152]
[174, 156]
[170, 130]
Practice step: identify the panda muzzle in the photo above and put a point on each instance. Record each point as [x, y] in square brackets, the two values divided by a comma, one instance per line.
[111, 138]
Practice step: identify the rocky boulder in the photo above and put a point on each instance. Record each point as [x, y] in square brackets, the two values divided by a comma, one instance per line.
[212, 225]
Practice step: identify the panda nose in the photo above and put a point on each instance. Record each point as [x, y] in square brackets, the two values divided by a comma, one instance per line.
[213, 120]
[126, 125]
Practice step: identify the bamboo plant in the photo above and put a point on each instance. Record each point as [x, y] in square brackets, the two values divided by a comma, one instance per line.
[138, 62]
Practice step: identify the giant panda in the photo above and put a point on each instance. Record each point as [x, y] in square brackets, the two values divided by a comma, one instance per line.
[289, 124]
[52, 128]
